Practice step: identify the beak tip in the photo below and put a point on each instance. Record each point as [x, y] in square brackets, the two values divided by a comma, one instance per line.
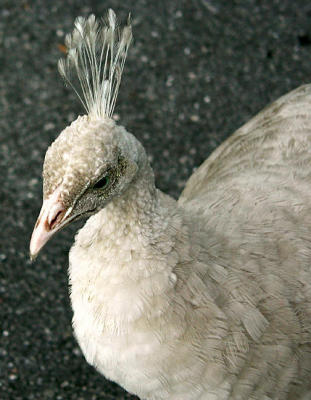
[33, 250]
[32, 256]
[38, 239]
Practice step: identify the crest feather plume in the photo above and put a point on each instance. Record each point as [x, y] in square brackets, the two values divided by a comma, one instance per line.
[96, 54]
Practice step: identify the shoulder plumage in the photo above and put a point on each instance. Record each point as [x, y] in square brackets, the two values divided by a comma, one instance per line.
[97, 52]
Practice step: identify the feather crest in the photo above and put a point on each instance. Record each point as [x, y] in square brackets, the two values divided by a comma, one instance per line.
[96, 54]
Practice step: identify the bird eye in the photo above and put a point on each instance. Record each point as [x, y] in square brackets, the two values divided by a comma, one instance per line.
[102, 183]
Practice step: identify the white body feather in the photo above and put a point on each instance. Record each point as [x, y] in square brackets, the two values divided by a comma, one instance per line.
[128, 318]
[208, 298]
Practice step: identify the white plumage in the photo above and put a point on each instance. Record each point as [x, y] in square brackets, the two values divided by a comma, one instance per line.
[204, 298]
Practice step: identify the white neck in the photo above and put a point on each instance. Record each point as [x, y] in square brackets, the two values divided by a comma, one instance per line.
[131, 312]
[125, 252]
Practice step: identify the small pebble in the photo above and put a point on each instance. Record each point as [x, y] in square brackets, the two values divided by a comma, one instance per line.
[194, 118]
[49, 126]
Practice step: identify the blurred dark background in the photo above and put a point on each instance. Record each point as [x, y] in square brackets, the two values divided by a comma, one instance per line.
[198, 69]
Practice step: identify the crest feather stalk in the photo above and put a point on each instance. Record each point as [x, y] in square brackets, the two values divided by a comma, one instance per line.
[97, 52]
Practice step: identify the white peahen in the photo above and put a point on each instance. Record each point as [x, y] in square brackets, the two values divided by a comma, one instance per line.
[207, 297]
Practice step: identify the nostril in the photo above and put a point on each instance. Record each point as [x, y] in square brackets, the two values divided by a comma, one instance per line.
[56, 219]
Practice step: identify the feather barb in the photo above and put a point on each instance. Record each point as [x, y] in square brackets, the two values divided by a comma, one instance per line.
[96, 55]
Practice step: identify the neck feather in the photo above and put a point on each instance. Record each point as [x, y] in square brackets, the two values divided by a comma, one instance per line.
[128, 251]
[140, 218]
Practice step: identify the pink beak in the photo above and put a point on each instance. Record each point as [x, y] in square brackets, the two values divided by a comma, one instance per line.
[51, 215]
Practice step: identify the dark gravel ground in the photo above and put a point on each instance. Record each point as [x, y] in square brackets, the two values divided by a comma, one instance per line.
[197, 71]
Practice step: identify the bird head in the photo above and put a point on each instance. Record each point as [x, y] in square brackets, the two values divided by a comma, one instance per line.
[93, 160]
[89, 164]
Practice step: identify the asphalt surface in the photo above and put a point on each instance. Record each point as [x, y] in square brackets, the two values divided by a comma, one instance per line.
[197, 71]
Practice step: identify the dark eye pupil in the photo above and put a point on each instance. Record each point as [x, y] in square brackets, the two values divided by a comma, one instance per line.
[103, 182]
